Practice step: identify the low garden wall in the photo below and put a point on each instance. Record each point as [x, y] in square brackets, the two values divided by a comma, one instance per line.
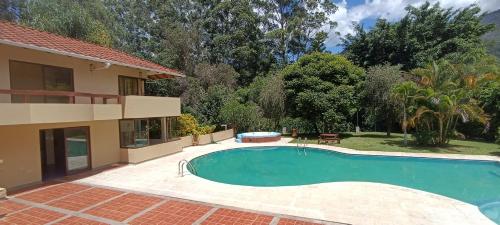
[215, 137]
[138, 155]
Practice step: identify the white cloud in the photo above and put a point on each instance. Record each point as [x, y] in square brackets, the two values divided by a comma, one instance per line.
[389, 9]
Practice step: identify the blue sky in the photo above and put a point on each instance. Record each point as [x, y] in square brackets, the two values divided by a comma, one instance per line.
[367, 11]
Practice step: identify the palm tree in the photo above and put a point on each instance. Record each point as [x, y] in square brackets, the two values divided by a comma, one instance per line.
[443, 96]
[403, 94]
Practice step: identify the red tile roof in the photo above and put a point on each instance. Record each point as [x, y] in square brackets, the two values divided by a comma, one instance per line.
[21, 36]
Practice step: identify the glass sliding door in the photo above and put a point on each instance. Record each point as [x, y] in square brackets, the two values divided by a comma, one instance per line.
[77, 148]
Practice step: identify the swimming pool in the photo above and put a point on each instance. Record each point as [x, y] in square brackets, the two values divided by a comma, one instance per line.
[475, 182]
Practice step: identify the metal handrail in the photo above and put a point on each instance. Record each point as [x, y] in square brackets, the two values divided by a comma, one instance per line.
[180, 167]
[305, 145]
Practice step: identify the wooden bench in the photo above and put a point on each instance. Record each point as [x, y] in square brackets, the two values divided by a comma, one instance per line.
[327, 138]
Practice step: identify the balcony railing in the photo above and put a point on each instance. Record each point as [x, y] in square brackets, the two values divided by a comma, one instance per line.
[27, 94]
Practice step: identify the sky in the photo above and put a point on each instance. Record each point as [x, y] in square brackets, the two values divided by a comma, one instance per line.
[367, 11]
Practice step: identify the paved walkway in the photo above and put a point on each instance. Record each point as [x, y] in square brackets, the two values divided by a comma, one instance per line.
[360, 203]
[73, 203]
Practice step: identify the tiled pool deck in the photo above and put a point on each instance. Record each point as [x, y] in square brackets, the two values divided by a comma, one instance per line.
[72, 203]
[153, 193]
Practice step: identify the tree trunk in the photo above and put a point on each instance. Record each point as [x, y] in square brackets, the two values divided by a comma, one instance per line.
[388, 124]
[405, 139]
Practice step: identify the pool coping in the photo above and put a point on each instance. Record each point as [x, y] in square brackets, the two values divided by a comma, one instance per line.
[298, 200]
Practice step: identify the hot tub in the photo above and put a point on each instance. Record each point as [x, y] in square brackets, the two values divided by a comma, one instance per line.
[258, 137]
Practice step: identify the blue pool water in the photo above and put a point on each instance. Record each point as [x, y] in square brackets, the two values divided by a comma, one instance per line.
[475, 182]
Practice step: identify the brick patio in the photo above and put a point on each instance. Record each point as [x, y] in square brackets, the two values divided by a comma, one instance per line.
[72, 203]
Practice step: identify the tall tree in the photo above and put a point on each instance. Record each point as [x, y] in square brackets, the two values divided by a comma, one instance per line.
[9, 9]
[424, 34]
[234, 37]
[377, 89]
[321, 88]
[85, 20]
[291, 25]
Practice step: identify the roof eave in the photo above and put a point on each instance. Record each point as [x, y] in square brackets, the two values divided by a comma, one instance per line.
[80, 56]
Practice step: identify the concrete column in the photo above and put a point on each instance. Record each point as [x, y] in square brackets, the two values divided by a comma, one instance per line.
[3, 193]
[164, 129]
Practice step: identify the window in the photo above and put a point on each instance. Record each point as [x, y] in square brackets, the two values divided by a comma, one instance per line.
[172, 128]
[31, 76]
[136, 133]
[130, 86]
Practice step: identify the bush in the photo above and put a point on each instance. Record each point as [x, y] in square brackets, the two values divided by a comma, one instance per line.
[207, 129]
[425, 137]
[188, 125]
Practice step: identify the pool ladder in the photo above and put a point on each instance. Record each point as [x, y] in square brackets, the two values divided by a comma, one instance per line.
[304, 145]
[184, 163]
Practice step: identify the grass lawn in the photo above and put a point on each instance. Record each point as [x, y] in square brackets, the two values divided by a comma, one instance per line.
[377, 141]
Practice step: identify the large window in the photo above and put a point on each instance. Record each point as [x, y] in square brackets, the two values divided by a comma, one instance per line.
[31, 76]
[172, 128]
[130, 86]
[136, 133]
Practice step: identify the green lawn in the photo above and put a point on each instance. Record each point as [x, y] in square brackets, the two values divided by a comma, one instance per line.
[377, 141]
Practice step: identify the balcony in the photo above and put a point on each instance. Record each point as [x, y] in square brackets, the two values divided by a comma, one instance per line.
[150, 106]
[40, 106]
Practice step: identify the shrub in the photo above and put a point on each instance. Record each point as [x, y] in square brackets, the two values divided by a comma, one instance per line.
[425, 137]
[188, 125]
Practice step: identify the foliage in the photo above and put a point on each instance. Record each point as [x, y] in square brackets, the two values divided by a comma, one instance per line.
[272, 99]
[211, 105]
[321, 88]
[188, 125]
[303, 126]
[377, 89]
[291, 25]
[492, 38]
[424, 34]
[8, 9]
[85, 20]
[220, 74]
[443, 97]
[242, 116]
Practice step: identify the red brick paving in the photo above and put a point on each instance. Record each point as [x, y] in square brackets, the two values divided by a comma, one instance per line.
[121, 208]
[75, 197]
[7, 207]
[173, 213]
[232, 217]
[286, 221]
[78, 221]
[32, 216]
[53, 192]
[85, 199]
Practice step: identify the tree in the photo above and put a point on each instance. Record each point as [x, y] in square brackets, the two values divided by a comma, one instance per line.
[291, 25]
[403, 94]
[234, 37]
[272, 99]
[377, 89]
[241, 116]
[444, 96]
[321, 88]
[219, 74]
[9, 9]
[80, 20]
[424, 34]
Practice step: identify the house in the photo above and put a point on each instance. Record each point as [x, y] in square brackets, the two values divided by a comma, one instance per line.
[68, 106]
